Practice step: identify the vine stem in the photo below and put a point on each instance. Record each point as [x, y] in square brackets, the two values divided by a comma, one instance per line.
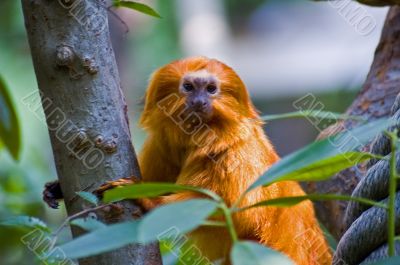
[392, 196]
[72, 217]
[229, 222]
[214, 223]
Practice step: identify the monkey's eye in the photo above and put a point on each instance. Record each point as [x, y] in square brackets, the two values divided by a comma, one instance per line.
[211, 89]
[188, 87]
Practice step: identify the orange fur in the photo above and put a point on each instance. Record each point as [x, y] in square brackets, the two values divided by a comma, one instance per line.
[226, 155]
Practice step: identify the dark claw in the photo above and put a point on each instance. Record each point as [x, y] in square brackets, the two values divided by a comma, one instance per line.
[52, 193]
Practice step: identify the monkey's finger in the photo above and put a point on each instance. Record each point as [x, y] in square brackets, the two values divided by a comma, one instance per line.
[147, 204]
[113, 184]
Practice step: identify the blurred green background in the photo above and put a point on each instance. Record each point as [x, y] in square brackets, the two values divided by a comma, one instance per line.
[281, 49]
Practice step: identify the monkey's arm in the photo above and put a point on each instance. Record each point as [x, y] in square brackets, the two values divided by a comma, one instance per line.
[148, 204]
[154, 164]
[196, 173]
[52, 192]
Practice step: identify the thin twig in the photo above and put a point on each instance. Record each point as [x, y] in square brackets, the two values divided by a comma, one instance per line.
[229, 222]
[72, 217]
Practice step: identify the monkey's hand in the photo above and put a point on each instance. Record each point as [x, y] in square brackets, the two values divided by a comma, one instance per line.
[52, 193]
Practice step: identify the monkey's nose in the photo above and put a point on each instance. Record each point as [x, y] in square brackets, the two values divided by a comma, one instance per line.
[198, 104]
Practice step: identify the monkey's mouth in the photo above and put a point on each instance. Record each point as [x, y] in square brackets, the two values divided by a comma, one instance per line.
[204, 114]
[196, 116]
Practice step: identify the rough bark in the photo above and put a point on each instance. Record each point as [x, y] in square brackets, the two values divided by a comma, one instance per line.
[373, 101]
[85, 110]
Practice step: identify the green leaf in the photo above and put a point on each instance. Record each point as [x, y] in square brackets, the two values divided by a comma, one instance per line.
[330, 239]
[25, 222]
[147, 190]
[89, 197]
[101, 240]
[322, 115]
[321, 159]
[88, 224]
[247, 252]
[182, 216]
[290, 201]
[318, 169]
[388, 261]
[10, 133]
[142, 8]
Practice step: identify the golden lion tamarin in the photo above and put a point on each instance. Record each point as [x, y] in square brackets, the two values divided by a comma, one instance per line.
[204, 131]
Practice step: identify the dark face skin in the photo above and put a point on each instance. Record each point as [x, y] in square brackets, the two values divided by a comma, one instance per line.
[199, 88]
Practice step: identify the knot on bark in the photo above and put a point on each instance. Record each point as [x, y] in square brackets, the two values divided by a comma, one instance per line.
[107, 145]
[64, 55]
[90, 65]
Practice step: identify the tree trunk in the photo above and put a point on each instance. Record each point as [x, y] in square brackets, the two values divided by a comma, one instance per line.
[85, 110]
[374, 101]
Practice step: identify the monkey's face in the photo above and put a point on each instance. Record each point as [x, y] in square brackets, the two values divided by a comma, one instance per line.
[199, 89]
[194, 92]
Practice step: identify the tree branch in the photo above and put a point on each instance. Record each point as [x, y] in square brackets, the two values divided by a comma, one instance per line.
[366, 2]
[85, 110]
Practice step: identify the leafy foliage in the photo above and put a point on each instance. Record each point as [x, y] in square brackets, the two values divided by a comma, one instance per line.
[25, 222]
[291, 201]
[309, 114]
[148, 190]
[10, 135]
[314, 162]
[89, 197]
[88, 224]
[102, 240]
[181, 216]
[142, 8]
[321, 159]
[246, 252]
